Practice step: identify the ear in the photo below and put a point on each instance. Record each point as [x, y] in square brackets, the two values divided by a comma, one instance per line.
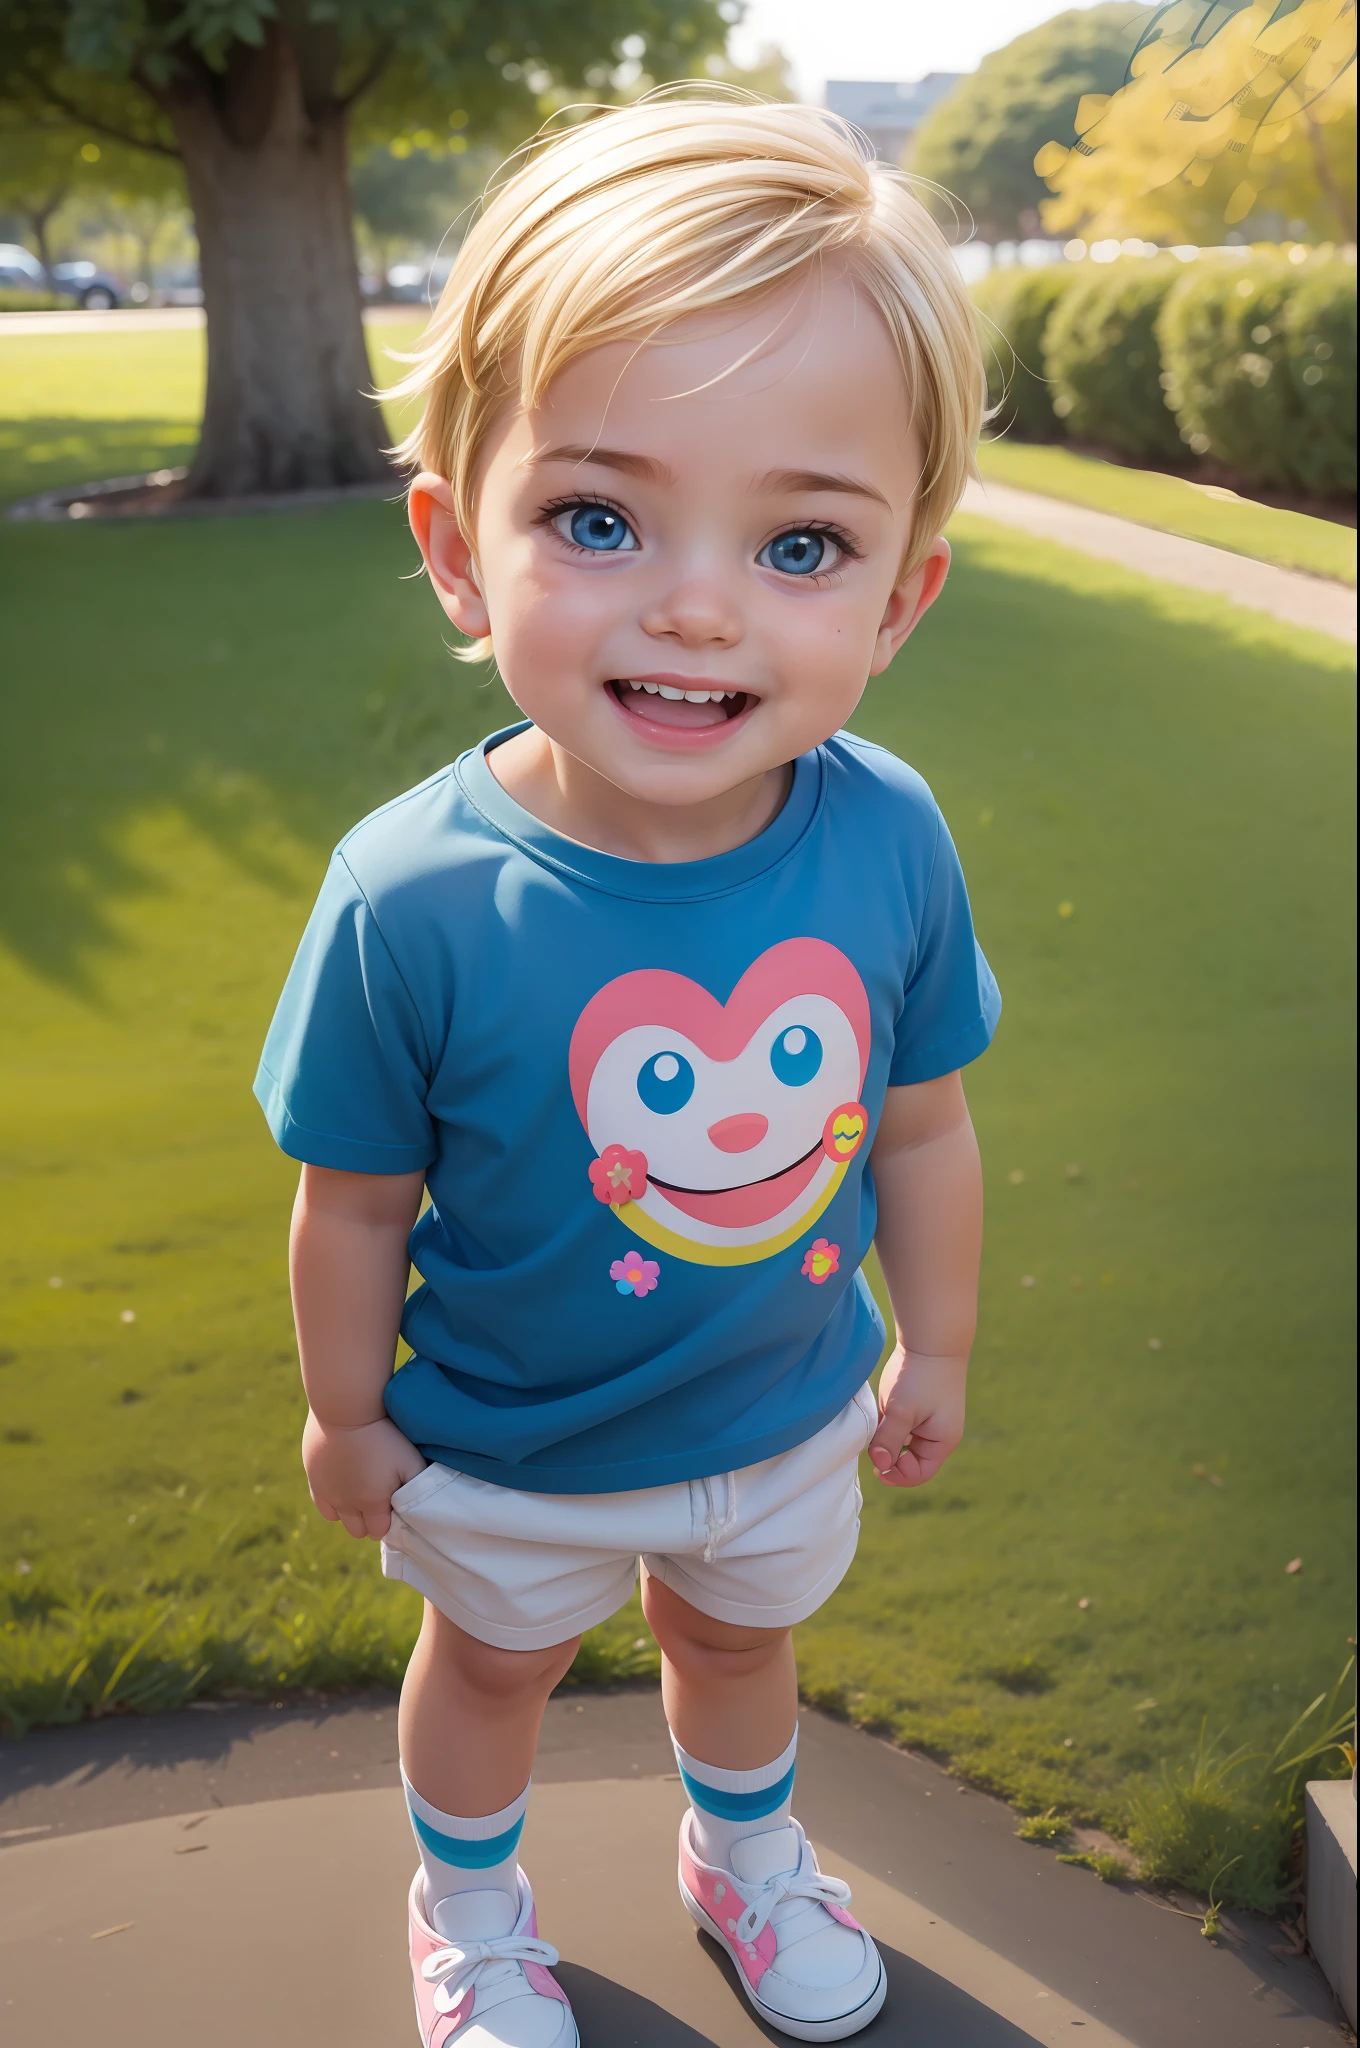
[909, 603]
[447, 554]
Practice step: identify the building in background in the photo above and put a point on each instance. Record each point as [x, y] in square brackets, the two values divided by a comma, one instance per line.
[889, 114]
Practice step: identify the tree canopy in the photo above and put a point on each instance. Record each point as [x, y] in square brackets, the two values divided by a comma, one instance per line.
[262, 102]
[980, 142]
[113, 65]
[1230, 115]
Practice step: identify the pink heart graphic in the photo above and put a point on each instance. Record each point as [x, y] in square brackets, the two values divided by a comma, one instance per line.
[654, 995]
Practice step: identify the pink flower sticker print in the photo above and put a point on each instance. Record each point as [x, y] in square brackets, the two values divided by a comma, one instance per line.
[632, 1274]
[619, 1176]
[821, 1260]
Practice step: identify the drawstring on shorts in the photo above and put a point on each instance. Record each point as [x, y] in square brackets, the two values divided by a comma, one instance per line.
[716, 1533]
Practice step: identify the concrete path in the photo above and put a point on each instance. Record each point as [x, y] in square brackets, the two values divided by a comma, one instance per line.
[1311, 601]
[237, 1875]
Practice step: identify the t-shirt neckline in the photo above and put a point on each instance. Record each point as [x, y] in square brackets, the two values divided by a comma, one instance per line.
[644, 881]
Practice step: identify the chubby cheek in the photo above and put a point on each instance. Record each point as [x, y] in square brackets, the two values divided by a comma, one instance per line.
[549, 627]
[821, 652]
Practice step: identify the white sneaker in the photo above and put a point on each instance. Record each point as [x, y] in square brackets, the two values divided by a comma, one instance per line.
[481, 1977]
[805, 1964]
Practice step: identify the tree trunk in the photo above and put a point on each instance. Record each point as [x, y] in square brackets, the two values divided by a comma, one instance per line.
[264, 159]
[37, 213]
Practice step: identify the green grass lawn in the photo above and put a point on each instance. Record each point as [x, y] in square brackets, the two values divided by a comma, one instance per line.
[76, 407]
[1160, 1423]
[1174, 505]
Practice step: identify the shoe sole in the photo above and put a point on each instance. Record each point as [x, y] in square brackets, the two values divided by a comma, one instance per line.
[799, 2030]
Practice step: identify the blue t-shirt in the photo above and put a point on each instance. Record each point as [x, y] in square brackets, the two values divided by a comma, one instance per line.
[643, 1097]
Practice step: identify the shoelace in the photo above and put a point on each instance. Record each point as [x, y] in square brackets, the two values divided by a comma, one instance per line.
[456, 1969]
[833, 1891]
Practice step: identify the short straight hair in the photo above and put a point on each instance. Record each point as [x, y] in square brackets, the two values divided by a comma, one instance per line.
[690, 202]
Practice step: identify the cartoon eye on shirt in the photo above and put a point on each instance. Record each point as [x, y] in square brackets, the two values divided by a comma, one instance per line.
[723, 1130]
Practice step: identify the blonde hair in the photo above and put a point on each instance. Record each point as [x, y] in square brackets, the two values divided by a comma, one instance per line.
[689, 202]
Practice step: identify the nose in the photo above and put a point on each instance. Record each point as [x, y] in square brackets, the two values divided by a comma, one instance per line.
[697, 611]
[738, 1133]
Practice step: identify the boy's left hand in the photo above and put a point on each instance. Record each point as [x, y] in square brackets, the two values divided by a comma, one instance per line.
[920, 1406]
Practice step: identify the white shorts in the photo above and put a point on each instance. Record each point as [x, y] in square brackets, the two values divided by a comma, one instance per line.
[762, 1547]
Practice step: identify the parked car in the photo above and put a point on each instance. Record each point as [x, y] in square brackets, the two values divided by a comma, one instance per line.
[417, 284]
[83, 282]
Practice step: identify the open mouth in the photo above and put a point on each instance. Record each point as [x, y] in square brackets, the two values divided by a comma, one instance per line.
[694, 708]
[756, 1202]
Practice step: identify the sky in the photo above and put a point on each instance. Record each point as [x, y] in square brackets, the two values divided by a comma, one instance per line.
[898, 39]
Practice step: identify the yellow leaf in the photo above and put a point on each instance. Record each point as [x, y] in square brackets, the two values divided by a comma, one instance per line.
[1051, 159]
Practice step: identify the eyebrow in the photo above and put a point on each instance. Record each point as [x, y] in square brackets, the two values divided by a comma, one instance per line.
[641, 466]
[821, 480]
[652, 471]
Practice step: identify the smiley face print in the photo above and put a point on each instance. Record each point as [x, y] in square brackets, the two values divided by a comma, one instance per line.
[722, 1131]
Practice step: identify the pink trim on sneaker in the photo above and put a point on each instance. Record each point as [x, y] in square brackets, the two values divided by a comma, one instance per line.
[722, 1902]
[752, 1913]
[439, 2026]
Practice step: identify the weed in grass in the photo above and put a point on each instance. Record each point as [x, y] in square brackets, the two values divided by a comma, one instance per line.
[1027, 1673]
[1308, 1744]
[1109, 1869]
[1229, 1818]
[1185, 1828]
[1211, 1925]
[1044, 1827]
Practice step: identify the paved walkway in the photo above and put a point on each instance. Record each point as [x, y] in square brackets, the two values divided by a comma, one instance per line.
[237, 1875]
[1311, 601]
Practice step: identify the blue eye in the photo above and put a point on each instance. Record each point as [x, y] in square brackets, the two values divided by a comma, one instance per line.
[795, 1056]
[666, 1082]
[598, 528]
[795, 554]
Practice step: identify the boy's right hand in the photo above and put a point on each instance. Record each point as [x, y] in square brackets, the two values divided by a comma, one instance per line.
[354, 1472]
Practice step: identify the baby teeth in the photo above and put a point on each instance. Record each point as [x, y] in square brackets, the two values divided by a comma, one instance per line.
[669, 691]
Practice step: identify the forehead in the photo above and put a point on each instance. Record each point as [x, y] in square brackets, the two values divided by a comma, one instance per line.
[805, 379]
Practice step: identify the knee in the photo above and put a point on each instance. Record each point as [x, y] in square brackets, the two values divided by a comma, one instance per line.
[703, 1648]
[501, 1676]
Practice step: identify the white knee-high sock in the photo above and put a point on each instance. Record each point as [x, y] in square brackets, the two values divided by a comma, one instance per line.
[464, 1856]
[730, 1805]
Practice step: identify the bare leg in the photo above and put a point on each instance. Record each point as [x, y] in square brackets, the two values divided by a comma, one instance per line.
[470, 1716]
[731, 1694]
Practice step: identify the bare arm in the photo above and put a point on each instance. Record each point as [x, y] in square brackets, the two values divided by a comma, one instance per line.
[929, 1241]
[349, 1267]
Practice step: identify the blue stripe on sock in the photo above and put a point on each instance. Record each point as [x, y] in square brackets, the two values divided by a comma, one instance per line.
[739, 1805]
[463, 1854]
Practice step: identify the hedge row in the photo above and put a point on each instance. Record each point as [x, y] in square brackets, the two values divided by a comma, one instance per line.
[1252, 363]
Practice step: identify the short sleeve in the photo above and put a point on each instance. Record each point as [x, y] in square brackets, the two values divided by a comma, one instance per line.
[951, 1002]
[345, 1069]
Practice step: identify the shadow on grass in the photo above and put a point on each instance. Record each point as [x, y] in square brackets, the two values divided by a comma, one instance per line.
[51, 454]
[268, 680]
[263, 680]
